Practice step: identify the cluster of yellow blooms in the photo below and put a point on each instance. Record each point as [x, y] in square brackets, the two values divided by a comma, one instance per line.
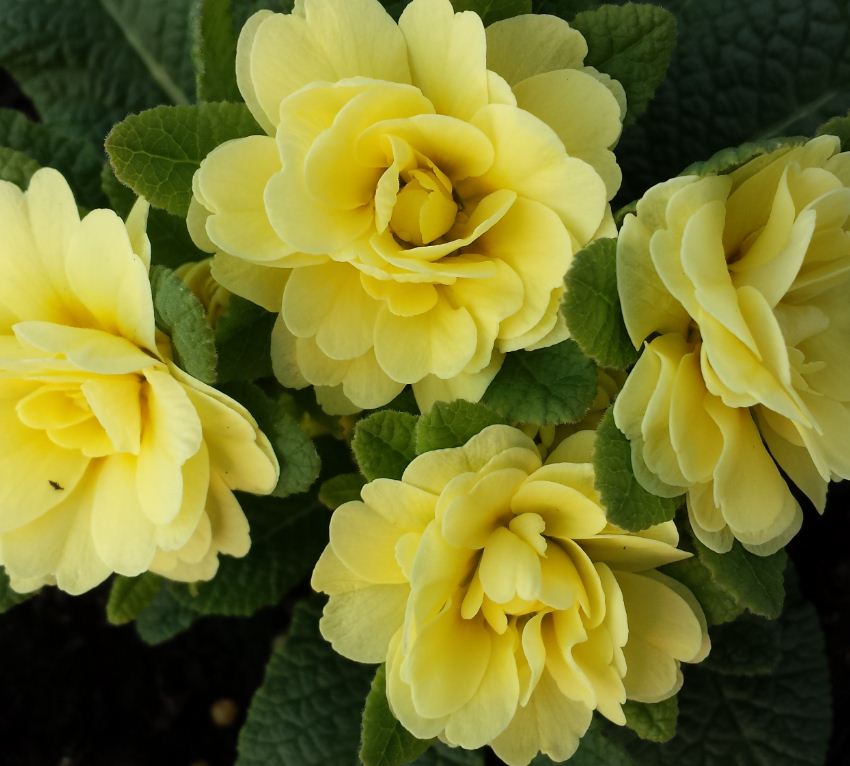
[410, 214]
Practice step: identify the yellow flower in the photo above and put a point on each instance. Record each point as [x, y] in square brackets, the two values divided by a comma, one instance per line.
[506, 608]
[745, 277]
[418, 198]
[113, 459]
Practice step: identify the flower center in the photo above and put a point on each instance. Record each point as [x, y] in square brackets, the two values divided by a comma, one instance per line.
[424, 209]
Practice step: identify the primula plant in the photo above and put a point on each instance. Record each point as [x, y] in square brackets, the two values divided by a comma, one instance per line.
[497, 361]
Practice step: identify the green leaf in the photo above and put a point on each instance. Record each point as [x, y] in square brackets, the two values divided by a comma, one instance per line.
[742, 71]
[655, 722]
[383, 740]
[596, 748]
[307, 710]
[296, 453]
[180, 314]
[838, 126]
[157, 152]
[633, 43]
[341, 489]
[756, 582]
[747, 647]
[719, 605]
[781, 719]
[626, 502]
[493, 10]
[87, 64]
[76, 159]
[243, 339]
[16, 167]
[592, 306]
[214, 50]
[384, 443]
[452, 424]
[549, 386]
[443, 755]
[128, 596]
[566, 9]
[286, 541]
[727, 160]
[9, 597]
[164, 618]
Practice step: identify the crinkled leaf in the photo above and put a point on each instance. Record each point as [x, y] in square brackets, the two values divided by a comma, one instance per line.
[719, 605]
[296, 453]
[341, 489]
[626, 502]
[592, 306]
[749, 646]
[164, 618]
[756, 582]
[383, 740]
[16, 167]
[128, 596]
[729, 159]
[243, 338]
[157, 152]
[443, 755]
[493, 10]
[838, 126]
[548, 386]
[655, 721]
[741, 71]
[781, 719]
[307, 710]
[214, 50]
[8, 597]
[384, 443]
[596, 748]
[78, 160]
[452, 424]
[87, 64]
[633, 43]
[286, 540]
[180, 314]
[566, 9]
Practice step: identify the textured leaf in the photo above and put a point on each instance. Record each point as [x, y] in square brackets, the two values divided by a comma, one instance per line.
[128, 596]
[171, 244]
[838, 126]
[341, 489]
[443, 755]
[296, 453]
[214, 50]
[180, 314]
[452, 424]
[595, 749]
[384, 443]
[627, 503]
[157, 152]
[719, 605]
[742, 71]
[286, 540]
[383, 740]
[493, 10]
[633, 43]
[87, 64]
[8, 597]
[75, 158]
[655, 722]
[592, 306]
[551, 385]
[782, 719]
[16, 167]
[243, 338]
[727, 160]
[756, 582]
[307, 710]
[749, 646]
[164, 618]
[566, 9]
